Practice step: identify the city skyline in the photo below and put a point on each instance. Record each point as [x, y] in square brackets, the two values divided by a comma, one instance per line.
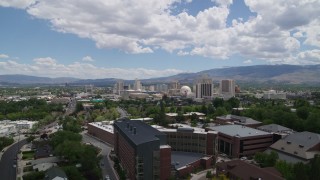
[153, 38]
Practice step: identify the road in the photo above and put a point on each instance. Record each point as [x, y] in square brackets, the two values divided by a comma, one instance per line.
[106, 164]
[122, 112]
[7, 171]
[71, 106]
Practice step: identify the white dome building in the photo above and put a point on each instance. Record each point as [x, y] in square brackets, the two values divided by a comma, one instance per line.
[185, 91]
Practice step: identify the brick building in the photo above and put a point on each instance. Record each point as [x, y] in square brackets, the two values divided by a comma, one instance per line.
[190, 140]
[101, 130]
[142, 150]
[237, 141]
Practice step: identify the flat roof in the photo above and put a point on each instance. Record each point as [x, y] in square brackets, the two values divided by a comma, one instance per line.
[238, 130]
[180, 159]
[144, 132]
[105, 127]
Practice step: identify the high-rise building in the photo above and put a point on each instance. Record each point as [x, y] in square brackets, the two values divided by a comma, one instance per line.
[142, 150]
[118, 87]
[137, 85]
[227, 88]
[203, 88]
[162, 88]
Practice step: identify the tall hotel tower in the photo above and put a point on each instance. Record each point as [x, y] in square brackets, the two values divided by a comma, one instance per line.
[203, 88]
[227, 88]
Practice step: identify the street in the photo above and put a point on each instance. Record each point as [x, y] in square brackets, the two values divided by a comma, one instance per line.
[122, 112]
[7, 170]
[106, 164]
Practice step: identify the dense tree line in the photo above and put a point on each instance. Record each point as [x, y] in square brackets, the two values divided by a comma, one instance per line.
[33, 109]
[300, 117]
[68, 144]
[5, 141]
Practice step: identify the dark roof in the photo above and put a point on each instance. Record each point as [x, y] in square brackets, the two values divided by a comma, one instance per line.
[239, 119]
[246, 171]
[274, 128]
[144, 132]
[55, 172]
[299, 144]
[180, 159]
[42, 149]
[307, 139]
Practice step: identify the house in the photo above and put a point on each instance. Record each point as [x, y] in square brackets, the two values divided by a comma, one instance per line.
[55, 173]
[238, 169]
[297, 147]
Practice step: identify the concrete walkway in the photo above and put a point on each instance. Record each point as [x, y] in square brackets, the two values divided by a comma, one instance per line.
[202, 175]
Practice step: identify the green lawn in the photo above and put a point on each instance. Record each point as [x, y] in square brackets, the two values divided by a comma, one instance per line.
[27, 155]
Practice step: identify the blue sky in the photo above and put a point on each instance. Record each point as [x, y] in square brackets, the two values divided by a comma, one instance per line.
[151, 38]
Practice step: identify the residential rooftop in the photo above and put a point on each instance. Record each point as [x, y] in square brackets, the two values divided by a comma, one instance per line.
[303, 145]
[246, 171]
[239, 119]
[238, 130]
[275, 128]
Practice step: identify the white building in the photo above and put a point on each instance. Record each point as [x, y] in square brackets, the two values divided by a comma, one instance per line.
[7, 129]
[24, 124]
[137, 85]
[272, 94]
[203, 88]
[118, 87]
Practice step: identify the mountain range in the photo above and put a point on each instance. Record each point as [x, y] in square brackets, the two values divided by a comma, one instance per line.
[290, 74]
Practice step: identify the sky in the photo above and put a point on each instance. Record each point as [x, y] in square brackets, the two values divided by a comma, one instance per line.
[142, 39]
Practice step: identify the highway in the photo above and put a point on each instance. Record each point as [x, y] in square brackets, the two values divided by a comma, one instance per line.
[7, 171]
[106, 164]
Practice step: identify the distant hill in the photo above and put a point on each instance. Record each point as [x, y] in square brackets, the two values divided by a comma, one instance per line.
[24, 79]
[289, 74]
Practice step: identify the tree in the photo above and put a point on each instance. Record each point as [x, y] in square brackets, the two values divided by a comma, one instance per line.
[286, 169]
[303, 112]
[34, 175]
[71, 124]
[204, 109]
[209, 174]
[315, 168]
[265, 159]
[300, 171]
[180, 117]
[72, 173]
[61, 136]
[220, 111]
[233, 102]
[5, 141]
[218, 102]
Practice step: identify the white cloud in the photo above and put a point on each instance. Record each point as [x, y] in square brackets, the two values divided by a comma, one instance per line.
[309, 57]
[17, 3]
[249, 61]
[88, 59]
[3, 56]
[277, 32]
[49, 67]
[223, 2]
